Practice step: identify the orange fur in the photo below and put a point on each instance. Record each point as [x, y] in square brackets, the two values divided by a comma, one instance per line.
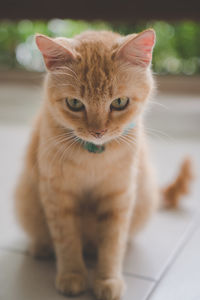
[70, 200]
[180, 186]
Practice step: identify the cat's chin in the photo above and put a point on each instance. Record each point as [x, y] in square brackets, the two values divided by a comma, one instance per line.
[99, 141]
[95, 142]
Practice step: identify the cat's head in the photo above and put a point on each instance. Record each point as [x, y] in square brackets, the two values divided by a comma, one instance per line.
[98, 82]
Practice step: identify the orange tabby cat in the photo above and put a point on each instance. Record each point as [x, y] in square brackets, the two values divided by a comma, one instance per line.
[87, 181]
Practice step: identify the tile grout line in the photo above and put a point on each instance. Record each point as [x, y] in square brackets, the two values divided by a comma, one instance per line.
[13, 250]
[181, 245]
[139, 276]
[134, 275]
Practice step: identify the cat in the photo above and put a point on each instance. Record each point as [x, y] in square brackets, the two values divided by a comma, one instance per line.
[88, 184]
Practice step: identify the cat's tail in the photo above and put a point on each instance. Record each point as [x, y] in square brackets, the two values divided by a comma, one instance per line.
[180, 186]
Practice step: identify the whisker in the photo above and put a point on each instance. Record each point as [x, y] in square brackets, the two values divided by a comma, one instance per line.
[64, 85]
[65, 74]
[67, 68]
[125, 141]
[159, 104]
[65, 150]
[154, 131]
[55, 142]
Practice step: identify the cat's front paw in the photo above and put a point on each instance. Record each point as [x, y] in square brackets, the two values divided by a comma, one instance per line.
[109, 289]
[71, 284]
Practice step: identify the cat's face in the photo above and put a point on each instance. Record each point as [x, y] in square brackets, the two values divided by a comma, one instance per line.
[98, 83]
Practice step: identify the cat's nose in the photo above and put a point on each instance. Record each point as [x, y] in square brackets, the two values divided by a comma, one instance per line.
[98, 133]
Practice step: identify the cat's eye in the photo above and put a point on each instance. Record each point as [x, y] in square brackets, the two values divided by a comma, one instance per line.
[74, 104]
[119, 103]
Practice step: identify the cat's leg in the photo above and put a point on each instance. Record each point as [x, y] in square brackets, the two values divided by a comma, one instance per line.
[31, 215]
[113, 223]
[63, 217]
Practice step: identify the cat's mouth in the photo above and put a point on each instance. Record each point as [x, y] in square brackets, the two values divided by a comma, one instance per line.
[96, 142]
[100, 141]
[104, 139]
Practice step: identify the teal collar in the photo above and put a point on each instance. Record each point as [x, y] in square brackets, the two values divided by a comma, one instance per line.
[128, 128]
[90, 147]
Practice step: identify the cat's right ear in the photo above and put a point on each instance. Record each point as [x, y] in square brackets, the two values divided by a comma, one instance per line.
[137, 49]
[53, 52]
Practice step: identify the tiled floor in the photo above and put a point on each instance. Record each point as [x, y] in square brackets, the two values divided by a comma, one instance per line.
[163, 262]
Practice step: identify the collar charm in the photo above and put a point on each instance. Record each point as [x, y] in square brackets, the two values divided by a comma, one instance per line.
[93, 148]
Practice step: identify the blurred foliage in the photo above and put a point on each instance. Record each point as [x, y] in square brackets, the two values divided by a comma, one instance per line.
[177, 49]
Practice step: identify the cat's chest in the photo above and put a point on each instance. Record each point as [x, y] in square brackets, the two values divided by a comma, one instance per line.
[98, 172]
[89, 172]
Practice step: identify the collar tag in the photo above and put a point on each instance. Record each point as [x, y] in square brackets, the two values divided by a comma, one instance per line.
[94, 148]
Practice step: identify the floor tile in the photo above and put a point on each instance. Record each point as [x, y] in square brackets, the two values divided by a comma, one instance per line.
[181, 280]
[152, 249]
[156, 245]
[13, 140]
[25, 278]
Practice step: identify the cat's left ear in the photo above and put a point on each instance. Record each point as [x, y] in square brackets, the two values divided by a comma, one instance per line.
[137, 49]
[54, 53]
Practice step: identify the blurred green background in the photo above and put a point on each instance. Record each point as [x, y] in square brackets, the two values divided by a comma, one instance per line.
[177, 49]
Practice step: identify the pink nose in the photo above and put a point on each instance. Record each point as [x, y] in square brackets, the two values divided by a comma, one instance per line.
[98, 133]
